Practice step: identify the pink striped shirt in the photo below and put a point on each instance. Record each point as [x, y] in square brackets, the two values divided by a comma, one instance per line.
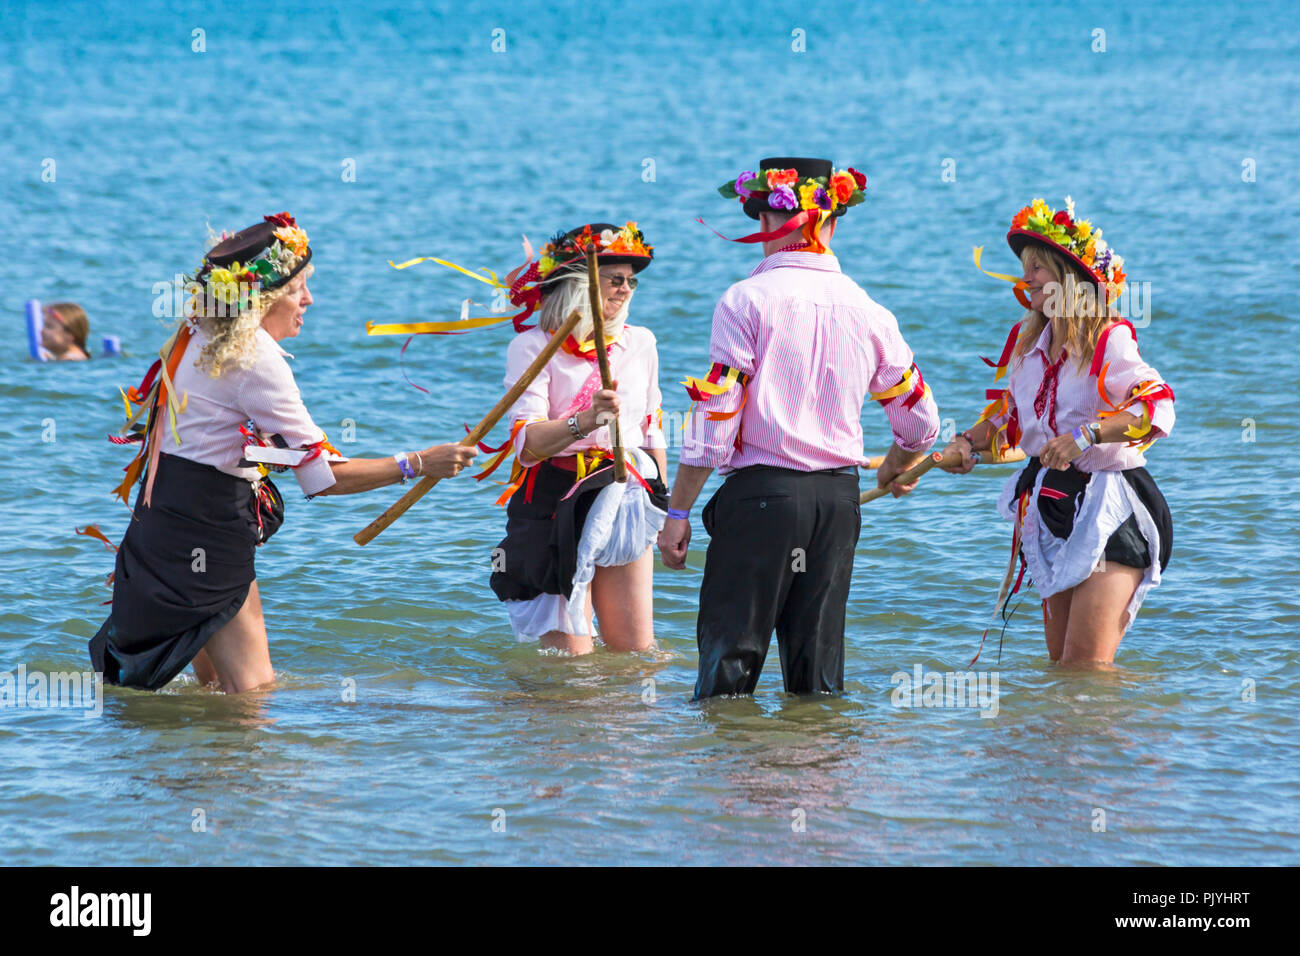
[1078, 402]
[815, 345]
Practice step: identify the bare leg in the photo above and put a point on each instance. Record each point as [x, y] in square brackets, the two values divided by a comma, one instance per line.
[569, 643]
[572, 643]
[1056, 616]
[238, 652]
[1098, 613]
[204, 672]
[624, 603]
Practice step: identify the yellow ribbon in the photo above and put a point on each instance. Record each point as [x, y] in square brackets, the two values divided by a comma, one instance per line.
[978, 253]
[904, 386]
[455, 325]
[493, 281]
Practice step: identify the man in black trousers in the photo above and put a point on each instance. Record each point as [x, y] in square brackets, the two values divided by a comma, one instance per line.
[796, 349]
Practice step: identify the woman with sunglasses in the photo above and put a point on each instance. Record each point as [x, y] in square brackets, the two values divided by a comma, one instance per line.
[576, 540]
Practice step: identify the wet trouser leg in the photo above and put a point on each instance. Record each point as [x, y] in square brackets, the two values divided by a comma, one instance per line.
[780, 557]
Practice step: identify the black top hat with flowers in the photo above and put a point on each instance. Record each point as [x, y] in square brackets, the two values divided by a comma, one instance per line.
[614, 246]
[260, 258]
[793, 183]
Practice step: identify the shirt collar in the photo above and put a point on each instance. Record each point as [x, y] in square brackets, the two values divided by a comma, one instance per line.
[1044, 342]
[824, 262]
[270, 338]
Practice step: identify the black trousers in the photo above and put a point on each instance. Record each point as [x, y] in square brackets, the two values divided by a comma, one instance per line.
[780, 557]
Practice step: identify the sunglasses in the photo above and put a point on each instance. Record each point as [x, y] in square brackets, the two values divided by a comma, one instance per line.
[618, 280]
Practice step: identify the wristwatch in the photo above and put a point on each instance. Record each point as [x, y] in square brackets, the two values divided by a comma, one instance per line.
[1095, 429]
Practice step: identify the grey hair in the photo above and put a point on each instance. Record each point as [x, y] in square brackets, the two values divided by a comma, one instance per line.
[567, 293]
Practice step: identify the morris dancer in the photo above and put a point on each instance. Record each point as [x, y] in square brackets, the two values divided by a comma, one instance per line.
[796, 348]
[223, 401]
[1091, 527]
[575, 539]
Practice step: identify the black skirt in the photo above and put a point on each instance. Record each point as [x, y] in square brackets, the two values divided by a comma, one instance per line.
[182, 572]
[1062, 494]
[539, 554]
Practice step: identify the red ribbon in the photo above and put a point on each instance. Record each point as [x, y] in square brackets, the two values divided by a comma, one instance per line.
[1100, 354]
[1006, 351]
[795, 222]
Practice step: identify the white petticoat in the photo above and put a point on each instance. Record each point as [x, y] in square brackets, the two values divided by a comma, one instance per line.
[620, 526]
[1056, 565]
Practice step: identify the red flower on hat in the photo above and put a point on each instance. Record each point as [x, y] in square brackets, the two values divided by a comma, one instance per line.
[1062, 218]
[282, 219]
[858, 178]
[1021, 218]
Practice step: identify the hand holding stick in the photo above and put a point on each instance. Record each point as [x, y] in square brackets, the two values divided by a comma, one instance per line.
[598, 328]
[479, 432]
[938, 459]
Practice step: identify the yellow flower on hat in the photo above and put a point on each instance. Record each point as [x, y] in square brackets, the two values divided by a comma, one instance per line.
[223, 285]
[1083, 229]
[807, 192]
[1039, 207]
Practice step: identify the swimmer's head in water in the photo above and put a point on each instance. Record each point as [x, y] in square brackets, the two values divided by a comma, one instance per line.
[65, 327]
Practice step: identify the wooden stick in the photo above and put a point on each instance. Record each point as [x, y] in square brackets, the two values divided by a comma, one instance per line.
[598, 327]
[1013, 455]
[931, 461]
[479, 432]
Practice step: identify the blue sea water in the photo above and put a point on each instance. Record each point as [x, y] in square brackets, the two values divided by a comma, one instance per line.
[392, 131]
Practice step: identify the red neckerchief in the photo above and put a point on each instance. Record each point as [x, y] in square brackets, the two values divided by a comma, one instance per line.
[1046, 396]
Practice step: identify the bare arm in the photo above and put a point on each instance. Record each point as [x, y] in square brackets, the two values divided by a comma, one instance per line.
[544, 439]
[365, 474]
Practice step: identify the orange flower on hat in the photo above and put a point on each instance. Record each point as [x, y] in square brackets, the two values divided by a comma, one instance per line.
[1021, 218]
[844, 185]
[782, 177]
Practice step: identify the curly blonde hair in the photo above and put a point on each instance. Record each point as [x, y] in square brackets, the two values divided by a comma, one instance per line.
[231, 331]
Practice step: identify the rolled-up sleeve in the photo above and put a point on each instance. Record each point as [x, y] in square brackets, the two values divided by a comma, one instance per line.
[534, 404]
[913, 415]
[711, 441]
[1126, 369]
[270, 397]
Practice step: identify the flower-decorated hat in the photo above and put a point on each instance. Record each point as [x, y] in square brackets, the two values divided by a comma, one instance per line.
[614, 246]
[1075, 239]
[790, 183]
[810, 188]
[258, 259]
